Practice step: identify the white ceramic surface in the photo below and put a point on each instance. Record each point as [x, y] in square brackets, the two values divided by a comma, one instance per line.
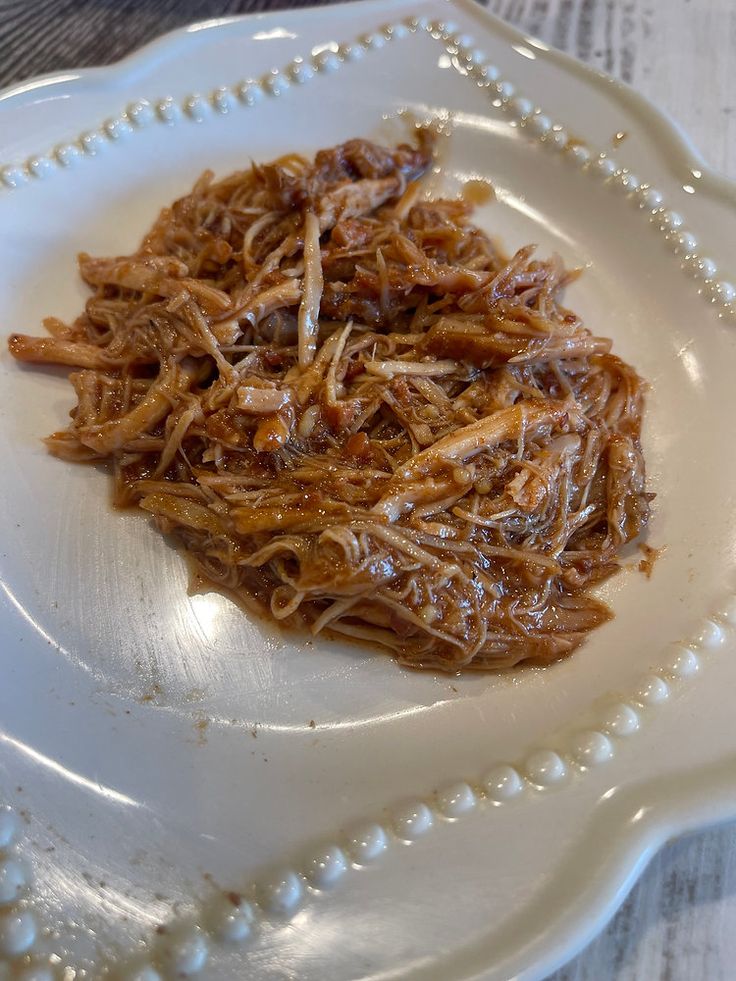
[191, 793]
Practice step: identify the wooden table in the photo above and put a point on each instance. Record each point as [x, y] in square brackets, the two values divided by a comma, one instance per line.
[679, 923]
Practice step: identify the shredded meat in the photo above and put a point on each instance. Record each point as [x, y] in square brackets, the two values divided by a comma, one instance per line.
[351, 409]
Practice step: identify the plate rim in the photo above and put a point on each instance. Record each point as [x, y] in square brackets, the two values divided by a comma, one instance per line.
[667, 126]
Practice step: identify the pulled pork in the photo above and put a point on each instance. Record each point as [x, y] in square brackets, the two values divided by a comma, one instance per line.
[349, 407]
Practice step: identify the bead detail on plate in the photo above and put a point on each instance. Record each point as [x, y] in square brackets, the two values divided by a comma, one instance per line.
[723, 292]
[521, 108]
[196, 107]
[727, 612]
[603, 167]
[620, 720]
[351, 52]
[67, 154]
[326, 867]
[92, 143]
[223, 100]
[281, 893]
[591, 748]
[650, 197]
[39, 167]
[701, 267]
[684, 243]
[396, 31]
[116, 128]
[502, 783]
[274, 83]
[485, 75]
[13, 881]
[504, 88]
[13, 176]
[366, 843]
[708, 636]
[326, 62]
[557, 138]
[249, 93]
[545, 768]
[670, 221]
[9, 827]
[475, 57]
[300, 71]
[580, 154]
[17, 933]
[628, 182]
[168, 111]
[653, 690]
[683, 663]
[372, 41]
[455, 800]
[412, 820]
[231, 919]
[539, 124]
[185, 951]
[141, 113]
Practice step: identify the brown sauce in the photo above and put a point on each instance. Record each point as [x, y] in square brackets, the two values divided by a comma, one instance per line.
[478, 192]
[646, 565]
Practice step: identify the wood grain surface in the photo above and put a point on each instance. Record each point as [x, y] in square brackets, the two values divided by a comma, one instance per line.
[679, 922]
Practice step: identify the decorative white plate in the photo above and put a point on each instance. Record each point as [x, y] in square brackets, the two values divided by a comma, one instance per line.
[160, 751]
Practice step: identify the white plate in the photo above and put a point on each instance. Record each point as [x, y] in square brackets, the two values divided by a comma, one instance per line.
[159, 748]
